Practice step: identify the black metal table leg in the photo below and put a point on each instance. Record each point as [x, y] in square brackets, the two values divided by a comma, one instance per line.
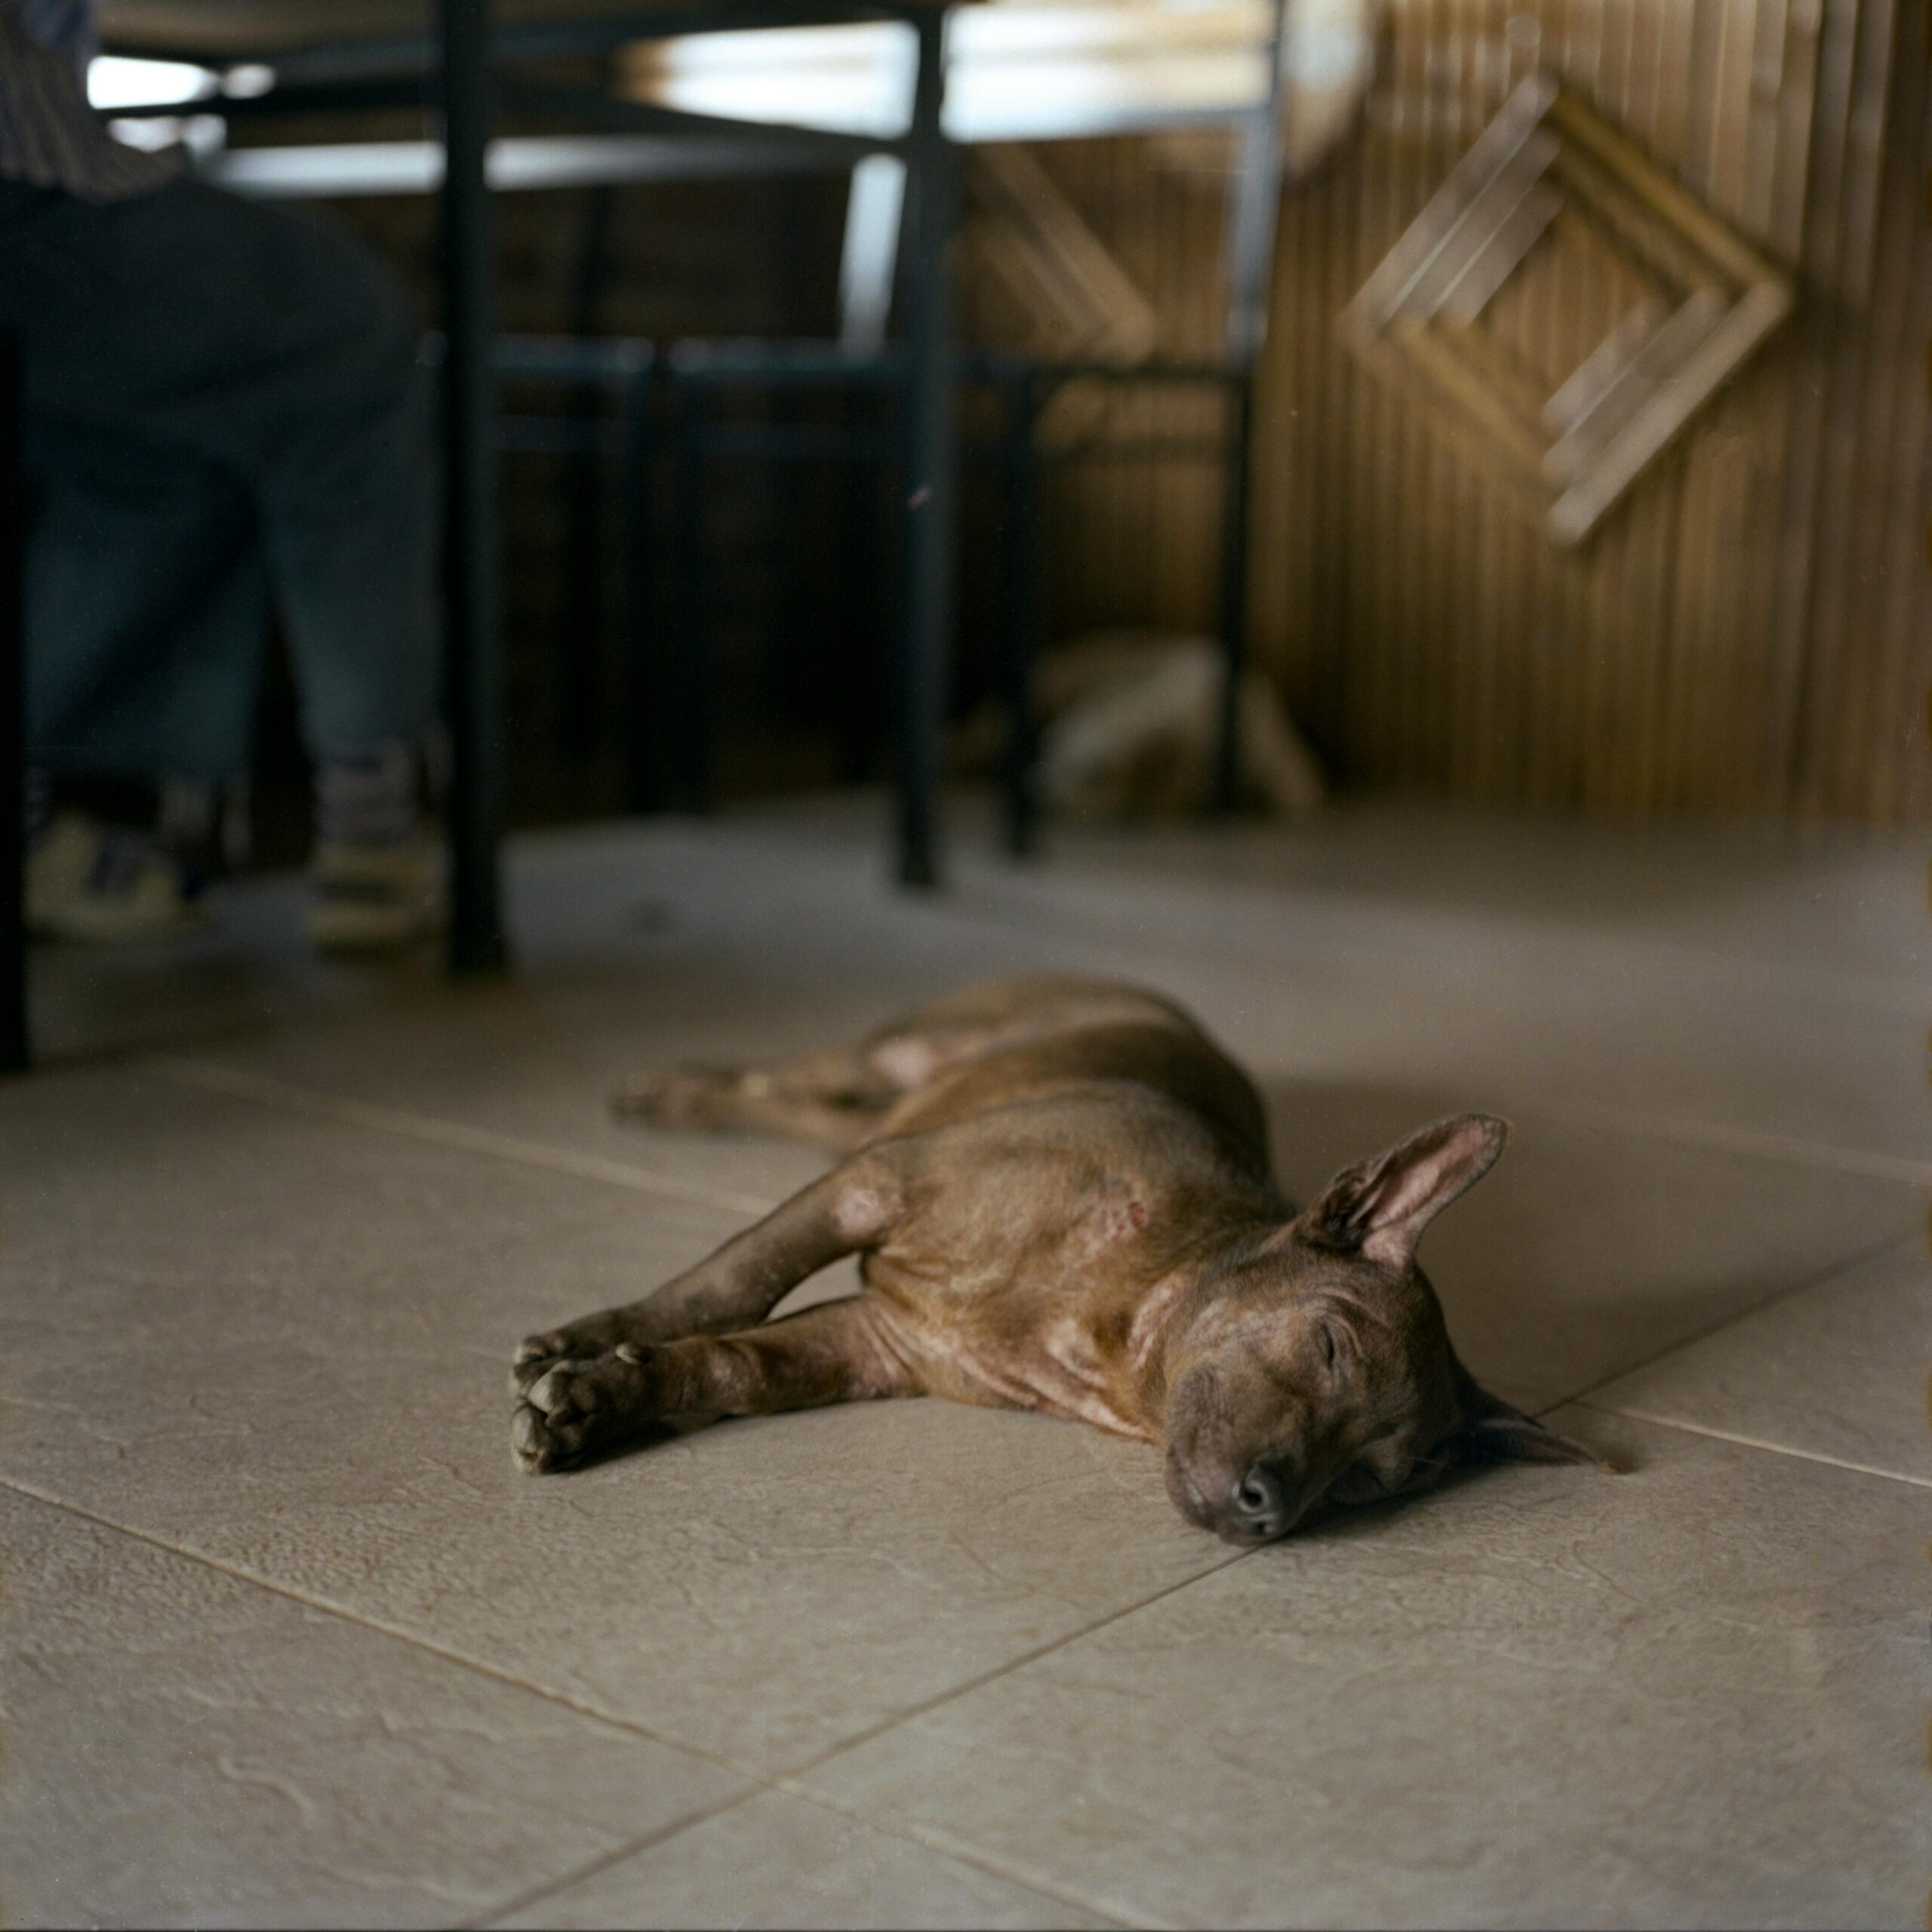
[474, 643]
[13, 1041]
[690, 673]
[1024, 612]
[1236, 504]
[1253, 212]
[861, 572]
[931, 469]
[644, 762]
[581, 716]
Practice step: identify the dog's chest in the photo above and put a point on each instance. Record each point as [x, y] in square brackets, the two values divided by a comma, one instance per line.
[1040, 1320]
[1058, 1368]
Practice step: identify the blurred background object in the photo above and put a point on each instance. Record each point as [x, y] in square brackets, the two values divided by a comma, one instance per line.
[1739, 634]
[1738, 637]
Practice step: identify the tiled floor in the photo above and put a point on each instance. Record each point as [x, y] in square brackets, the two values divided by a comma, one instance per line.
[285, 1638]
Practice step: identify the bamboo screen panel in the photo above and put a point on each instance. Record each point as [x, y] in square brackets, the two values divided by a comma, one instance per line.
[1751, 629]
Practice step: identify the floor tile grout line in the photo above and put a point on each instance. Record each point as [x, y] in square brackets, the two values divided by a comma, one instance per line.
[755, 1781]
[790, 1781]
[925, 1705]
[963, 1852]
[971, 1857]
[1743, 1441]
[533, 1894]
[345, 1111]
[1835, 1271]
[361, 1621]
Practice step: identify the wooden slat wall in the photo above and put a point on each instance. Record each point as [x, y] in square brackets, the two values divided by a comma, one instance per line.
[1751, 630]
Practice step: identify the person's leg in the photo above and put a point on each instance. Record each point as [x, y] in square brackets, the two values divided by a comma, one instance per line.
[147, 610]
[272, 348]
[346, 500]
[147, 605]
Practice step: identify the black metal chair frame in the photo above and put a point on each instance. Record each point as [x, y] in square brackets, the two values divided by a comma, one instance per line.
[466, 66]
[13, 1043]
[661, 399]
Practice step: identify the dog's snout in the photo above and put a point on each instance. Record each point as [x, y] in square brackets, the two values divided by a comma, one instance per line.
[1259, 1502]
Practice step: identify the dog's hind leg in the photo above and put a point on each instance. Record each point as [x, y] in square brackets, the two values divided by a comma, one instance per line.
[834, 1099]
[840, 1097]
[850, 1209]
[581, 1409]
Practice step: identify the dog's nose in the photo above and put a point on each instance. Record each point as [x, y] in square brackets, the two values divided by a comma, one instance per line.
[1260, 1502]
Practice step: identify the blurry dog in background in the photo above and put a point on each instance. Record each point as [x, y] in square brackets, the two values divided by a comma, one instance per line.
[1128, 724]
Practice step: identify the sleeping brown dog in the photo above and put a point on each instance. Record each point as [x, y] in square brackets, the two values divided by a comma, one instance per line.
[1060, 1193]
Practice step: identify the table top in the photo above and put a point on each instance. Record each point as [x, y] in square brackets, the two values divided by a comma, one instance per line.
[239, 27]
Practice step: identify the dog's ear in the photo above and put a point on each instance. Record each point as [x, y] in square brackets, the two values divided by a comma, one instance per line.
[1493, 1432]
[1380, 1206]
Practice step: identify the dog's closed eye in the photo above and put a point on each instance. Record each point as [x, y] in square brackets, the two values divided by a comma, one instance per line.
[1334, 1348]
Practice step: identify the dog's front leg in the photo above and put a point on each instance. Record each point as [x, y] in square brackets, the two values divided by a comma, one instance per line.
[835, 1353]
[847, 1210]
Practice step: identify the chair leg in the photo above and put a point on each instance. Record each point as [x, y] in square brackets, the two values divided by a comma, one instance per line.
[647, 785]
[474, 650]
[690, 703]
[14, 1039]
[1023, 593]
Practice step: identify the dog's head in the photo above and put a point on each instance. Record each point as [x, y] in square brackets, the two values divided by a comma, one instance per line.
[1315, 1366]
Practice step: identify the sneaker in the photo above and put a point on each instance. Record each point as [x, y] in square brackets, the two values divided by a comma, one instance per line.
[376, 898]
[103, 886]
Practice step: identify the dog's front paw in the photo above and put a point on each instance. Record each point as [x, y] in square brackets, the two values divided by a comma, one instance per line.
[575, 1343]
[576, 1410]
[536, 1355]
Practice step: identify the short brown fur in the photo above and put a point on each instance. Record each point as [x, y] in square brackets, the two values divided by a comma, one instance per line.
[1060, 1193]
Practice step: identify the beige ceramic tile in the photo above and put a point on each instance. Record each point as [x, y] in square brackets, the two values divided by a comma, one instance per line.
[1587, 1252]
[1486, 981]
[1752, 984]
[250, 966]
[314, 1410]
[779, 1861]
[183, 1748]
[1685, 1697]
[1776, 897]
[740, 940]
[106, 1172]
[523, 1062]
[760, 1590]
[1554, 974]
[1838, 1371]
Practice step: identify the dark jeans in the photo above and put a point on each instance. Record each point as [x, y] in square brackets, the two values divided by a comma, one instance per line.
[224, 414]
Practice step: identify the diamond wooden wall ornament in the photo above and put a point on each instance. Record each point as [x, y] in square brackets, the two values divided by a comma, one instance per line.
[1697, 301]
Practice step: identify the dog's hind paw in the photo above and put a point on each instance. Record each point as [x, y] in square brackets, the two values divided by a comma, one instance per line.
[686, 1096]
[576, 1410]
